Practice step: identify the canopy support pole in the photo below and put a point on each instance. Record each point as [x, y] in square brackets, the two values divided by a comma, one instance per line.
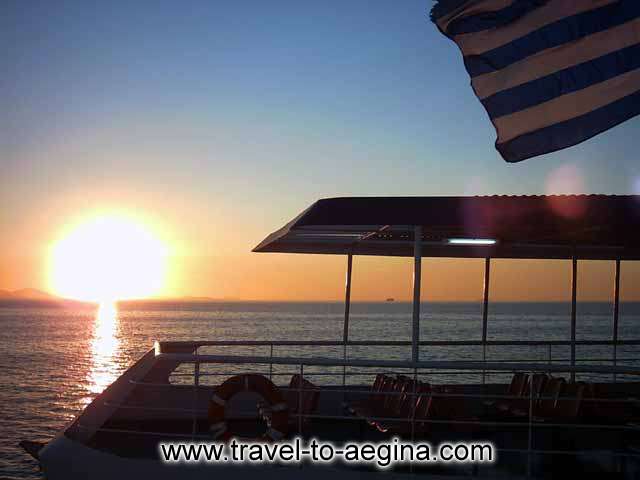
[347, 309]
[574, 285]
[347, 299]
[616, 313]
[417, 271]
[485, 311]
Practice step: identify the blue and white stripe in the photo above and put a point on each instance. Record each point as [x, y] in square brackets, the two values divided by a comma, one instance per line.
[550, 73]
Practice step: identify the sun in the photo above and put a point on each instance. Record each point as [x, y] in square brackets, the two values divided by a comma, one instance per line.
[107, 258]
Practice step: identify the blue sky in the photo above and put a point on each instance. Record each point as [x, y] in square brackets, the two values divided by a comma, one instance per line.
[364, 95]
[255, 107]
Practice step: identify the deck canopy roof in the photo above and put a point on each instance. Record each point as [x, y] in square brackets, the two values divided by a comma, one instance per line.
[566, 226]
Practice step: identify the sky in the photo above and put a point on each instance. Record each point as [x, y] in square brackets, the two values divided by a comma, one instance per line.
[214, 123]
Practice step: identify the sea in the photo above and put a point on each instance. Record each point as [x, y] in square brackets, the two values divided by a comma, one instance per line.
[55, 358]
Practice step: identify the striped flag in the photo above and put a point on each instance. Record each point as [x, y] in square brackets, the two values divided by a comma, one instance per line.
[550, 73]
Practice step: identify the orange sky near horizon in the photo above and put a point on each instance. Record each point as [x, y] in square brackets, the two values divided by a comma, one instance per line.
[226, 269]
[210, 255]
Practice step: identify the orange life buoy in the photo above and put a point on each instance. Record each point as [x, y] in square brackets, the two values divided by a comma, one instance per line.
[248, 383]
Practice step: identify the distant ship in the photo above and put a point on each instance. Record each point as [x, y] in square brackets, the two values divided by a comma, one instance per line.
[391, 299]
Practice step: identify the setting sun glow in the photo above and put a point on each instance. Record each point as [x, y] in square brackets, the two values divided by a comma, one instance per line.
[107, 258]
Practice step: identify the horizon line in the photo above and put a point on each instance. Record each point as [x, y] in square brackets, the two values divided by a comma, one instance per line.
[44, 296]
[54, 299]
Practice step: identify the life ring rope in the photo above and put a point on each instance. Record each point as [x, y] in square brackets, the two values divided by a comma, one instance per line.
[259, 384]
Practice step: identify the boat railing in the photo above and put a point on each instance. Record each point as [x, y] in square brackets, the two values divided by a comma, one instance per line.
[347, 347]
[172, 345]
[348, 376]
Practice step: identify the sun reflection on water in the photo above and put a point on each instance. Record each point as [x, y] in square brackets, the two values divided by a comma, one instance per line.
[105, 346]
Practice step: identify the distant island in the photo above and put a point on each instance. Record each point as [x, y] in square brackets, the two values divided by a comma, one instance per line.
[37, 298]
[26, 294]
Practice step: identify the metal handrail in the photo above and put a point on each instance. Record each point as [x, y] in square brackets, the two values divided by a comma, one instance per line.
[386, 343]
[448, 372]
[436, 364]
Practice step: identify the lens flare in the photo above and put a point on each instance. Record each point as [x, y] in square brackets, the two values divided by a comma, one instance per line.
[566, 179]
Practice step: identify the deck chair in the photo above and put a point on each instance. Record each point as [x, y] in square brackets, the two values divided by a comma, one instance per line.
[389, 403]
[590, 406]
[407, 401]
[417, 408]
[377, 400]
[290, 396]
[395, 401]
[549, 399]
[309, 395]
[399, 404]
[515, 389]
[520, 407]
[302, 397]
[393, 395]
[569, 403]
[373, 396]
